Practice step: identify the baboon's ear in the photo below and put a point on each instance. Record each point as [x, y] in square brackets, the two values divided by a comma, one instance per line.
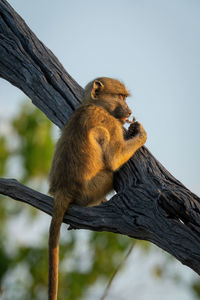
[97, 89]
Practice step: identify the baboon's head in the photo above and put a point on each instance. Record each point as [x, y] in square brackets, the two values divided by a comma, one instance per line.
[109, 93]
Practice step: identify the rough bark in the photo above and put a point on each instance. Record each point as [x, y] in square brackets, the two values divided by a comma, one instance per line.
[150, 203]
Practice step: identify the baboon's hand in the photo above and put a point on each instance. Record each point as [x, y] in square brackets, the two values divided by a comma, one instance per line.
[136, 129]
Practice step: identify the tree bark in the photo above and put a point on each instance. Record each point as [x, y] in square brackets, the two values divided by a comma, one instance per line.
[150, 203]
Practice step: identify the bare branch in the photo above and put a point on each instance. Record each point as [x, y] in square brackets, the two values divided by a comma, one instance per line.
[150, 203]
[135, 213]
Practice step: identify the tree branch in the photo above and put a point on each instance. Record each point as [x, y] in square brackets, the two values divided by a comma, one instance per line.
[150, 203]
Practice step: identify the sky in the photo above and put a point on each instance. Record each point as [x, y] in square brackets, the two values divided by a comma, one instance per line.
[153, 46]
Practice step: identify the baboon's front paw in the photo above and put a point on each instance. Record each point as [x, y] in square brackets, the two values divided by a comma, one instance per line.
[134, 129]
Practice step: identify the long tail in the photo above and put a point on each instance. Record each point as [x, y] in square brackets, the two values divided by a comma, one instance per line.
[60, 207]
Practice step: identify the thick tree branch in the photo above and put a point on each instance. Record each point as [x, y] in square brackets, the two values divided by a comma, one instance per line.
[150, 203]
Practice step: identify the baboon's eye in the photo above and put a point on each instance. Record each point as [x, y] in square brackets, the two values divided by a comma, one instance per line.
[122, 97]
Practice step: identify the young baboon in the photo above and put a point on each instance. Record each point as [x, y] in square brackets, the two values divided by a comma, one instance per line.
[91, 148]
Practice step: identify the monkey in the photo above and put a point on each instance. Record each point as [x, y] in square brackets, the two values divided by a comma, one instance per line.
[90, 149]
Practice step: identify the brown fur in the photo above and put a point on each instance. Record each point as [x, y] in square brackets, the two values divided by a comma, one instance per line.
[89, 150]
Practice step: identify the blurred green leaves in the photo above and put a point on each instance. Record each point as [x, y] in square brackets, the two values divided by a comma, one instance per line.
[36, 144]
[4, 154]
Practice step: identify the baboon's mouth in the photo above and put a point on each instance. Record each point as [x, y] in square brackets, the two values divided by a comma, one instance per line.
[128, 121]
[125, 119]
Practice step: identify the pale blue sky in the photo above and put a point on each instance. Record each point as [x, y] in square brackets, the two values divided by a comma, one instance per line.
[152, 45]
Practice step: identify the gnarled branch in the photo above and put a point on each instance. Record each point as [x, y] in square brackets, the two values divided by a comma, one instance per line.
[150, 203]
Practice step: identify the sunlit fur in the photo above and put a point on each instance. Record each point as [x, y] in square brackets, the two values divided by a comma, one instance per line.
[90, 149]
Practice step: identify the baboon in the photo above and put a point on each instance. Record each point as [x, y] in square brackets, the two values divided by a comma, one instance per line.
[90, 149]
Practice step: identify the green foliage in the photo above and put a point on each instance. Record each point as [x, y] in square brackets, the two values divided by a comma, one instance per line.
[32, 133]
[36, 144]
[4, 154]
[107, 252]
[196, 288]
[5, 261]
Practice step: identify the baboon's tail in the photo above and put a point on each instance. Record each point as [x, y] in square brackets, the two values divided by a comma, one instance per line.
[60, 206]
